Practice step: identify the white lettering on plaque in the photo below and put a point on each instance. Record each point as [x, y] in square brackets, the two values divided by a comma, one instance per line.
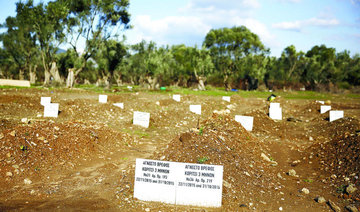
[45, 100]
[324, 108]
[51, 110]
[120, 105]
[195, 109]
[245, 121]
[336, 114]
[102, 98]
[178, 183]
[141, 119]
[226, 98]
[176, 97]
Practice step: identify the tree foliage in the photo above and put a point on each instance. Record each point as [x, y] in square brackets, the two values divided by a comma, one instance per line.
[90, 30]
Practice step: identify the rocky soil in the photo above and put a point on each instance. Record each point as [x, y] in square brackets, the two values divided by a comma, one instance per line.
[85, 158]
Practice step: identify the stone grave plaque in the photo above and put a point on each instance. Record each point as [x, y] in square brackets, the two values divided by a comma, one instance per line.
[155, 180]
[245, 121]
[176, 97]
[336, 114]
[120, 105]
[102, 98]
[324, 108]
[141, 119]
[195, 109]
[178, 183]
[51, 110]
[199, 185]
[45, 100]
[275, 113]
[226, 98]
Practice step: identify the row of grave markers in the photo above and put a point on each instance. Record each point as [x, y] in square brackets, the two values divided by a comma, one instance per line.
[143, 118]
[333, 114]
[182, 183]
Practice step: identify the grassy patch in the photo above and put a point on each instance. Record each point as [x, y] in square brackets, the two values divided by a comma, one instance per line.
[308, 180]
[136, 132]
[202, 159]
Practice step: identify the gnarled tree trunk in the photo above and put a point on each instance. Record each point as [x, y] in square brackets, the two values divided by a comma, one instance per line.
[32, 74]
[70, 78]
[152, 82]
[201, 80]
[21, 74]
[54, 71]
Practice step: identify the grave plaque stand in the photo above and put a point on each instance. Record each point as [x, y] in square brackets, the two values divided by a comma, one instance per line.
[245, 121]
[178, 183]
[195, 109]
[141, 119]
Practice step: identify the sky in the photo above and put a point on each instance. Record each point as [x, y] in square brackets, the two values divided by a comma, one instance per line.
[278, 23]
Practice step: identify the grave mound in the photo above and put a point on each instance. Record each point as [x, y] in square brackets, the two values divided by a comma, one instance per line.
[340, 156]
[220, 140]
[33, 151]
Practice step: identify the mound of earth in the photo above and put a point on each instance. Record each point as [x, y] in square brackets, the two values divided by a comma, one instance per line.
[247, 178]
[31, 150]
[340, 157]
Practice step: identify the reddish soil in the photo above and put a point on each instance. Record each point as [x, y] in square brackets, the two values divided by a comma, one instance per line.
[85, 159]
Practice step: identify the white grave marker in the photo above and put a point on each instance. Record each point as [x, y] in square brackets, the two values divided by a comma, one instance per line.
[195, 109]
[176, 97]
[321, 102]
[199, 185]
[120, 105]
[178, 183]
[45, 100]
[141, 119]
[274, 105]
[336, 114]
[324, 108]
[226, 98]
[245, 121]
[275, 113]
[102, 98]
[51, 110]
[155, 181]
[129, 88]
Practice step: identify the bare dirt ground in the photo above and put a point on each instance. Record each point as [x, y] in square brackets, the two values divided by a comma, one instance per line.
[84, 160]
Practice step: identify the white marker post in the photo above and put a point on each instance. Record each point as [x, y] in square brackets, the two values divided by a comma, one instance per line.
[129, 88]
[324, 108]
[176, 97]
[120, 105]
[141, 119]
[336, 114]
[226, 98]
[195, 109]
[245, 121]
[178, 183]
[45, 100]
[103, 98]
[51, 110]
[199, 185]
[275, 111]
[155, 181]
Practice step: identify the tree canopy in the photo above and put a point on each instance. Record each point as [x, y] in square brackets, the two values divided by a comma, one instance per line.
[96, 52]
